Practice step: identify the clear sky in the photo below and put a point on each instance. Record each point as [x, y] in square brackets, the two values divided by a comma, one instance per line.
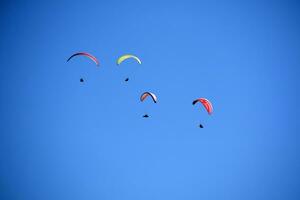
[60, 139]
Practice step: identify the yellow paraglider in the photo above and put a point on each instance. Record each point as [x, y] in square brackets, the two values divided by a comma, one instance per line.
[127, 56]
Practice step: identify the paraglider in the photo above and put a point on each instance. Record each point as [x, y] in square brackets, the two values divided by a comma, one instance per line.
[205, 103]
[144, 96]
[127, 56]
[93, 58]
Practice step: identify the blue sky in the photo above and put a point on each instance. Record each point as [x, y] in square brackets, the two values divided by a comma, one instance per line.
[64, 140]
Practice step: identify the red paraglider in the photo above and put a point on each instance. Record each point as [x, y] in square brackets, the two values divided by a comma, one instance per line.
[93, 58]
[205, 103]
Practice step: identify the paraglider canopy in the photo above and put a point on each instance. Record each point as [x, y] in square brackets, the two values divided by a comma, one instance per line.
[90, 56]
[127, 56]
[147, 94]
[205, 103]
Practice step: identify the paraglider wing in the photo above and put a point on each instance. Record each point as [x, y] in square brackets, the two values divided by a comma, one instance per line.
[127, 56]
[147, 94]
[205, 103]
[93, 58]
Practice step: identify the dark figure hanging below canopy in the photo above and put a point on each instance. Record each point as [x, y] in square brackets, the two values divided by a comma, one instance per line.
[146, 116]
[126, 79]
[201, 126]
[81, 80]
